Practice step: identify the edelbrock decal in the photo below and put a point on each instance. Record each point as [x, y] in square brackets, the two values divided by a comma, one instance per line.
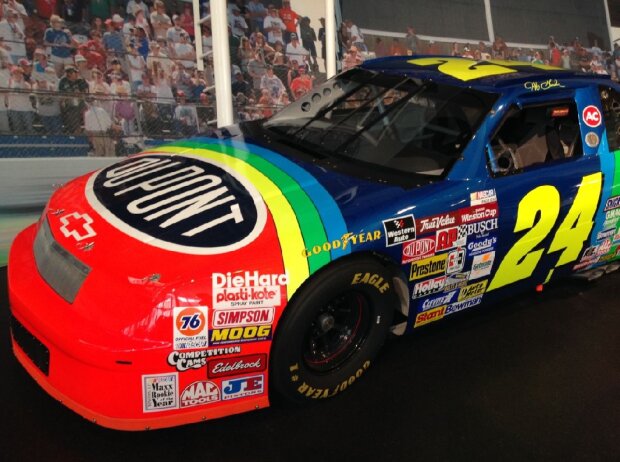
[179, 203]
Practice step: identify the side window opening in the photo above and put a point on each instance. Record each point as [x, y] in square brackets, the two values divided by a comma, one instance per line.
[610, 100]
[535, 135]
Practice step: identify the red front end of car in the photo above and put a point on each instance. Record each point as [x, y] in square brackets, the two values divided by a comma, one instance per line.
[132, 336]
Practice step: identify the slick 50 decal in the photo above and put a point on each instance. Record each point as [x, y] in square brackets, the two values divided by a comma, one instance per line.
[537, 215]
[179, 203]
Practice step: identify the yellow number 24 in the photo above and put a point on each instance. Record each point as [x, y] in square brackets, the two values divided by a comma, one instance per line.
[544, 202]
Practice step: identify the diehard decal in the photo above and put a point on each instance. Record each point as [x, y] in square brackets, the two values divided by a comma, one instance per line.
[248, 289]
[399, 230]
[159, 392]
[180, 203]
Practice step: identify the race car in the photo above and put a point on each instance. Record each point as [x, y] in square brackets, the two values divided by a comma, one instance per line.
[275, 257]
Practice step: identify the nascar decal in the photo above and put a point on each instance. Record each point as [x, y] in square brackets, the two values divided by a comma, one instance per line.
[468, 70]
[303, 217]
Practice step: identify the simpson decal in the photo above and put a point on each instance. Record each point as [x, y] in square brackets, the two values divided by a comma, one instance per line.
[190, 328]
[159, 392]
[243, 317]
[179, 203]
[399, 230]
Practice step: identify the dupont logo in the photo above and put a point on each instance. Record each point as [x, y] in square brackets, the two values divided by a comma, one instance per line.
[418, 249]
[179, 203]
[236, 366]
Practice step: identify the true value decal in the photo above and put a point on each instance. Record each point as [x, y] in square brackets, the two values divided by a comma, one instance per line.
[179, 203]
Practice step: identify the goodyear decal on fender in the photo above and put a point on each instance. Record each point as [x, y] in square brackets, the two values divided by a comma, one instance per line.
[304, 216]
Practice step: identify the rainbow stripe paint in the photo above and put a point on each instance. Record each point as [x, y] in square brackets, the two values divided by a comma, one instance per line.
[304, 213]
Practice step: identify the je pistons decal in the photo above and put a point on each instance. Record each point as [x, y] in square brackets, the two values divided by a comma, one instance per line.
[180, 203]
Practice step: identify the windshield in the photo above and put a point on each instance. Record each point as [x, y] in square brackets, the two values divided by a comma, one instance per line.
[394, 122]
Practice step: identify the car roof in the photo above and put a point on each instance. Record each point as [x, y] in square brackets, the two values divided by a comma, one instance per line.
[482, 74]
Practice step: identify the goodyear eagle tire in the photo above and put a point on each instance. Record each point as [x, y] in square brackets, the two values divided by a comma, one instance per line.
[332, 329]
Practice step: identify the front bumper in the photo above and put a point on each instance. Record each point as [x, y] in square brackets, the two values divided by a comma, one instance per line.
[103, 384]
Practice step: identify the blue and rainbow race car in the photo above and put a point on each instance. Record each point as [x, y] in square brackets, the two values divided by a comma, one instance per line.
[190, 281]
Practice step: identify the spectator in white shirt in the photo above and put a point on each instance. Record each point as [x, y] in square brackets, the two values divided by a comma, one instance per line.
[18, 102]
[98, 125]
[274, 26]
[237, 22]
[13, 36]
[295, 51]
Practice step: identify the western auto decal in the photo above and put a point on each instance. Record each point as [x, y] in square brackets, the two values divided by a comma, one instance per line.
[217, 199]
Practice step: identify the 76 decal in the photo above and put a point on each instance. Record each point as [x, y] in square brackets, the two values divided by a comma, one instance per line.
[538, 213]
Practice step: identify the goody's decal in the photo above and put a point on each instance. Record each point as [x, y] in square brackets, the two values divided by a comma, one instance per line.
[179, 203]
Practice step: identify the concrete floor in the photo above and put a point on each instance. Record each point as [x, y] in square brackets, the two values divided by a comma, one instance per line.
[535, 379]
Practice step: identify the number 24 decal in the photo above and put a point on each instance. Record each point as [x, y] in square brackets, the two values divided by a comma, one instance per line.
[544, 201]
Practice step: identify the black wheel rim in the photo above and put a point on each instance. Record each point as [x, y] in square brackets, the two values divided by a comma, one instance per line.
[338, 330]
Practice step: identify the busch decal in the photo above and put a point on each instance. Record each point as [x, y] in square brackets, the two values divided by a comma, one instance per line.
[399, 230]
[190, 328]
[247, 289]
[179, 203]
[199, 393]
[159, 392]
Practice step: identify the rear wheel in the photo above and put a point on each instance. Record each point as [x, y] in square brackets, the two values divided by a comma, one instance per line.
[332, 330]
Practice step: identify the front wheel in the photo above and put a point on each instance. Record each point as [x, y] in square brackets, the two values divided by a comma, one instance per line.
[332, 329]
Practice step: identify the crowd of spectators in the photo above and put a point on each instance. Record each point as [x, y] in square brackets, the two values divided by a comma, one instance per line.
[136, 60]
[128, 66]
